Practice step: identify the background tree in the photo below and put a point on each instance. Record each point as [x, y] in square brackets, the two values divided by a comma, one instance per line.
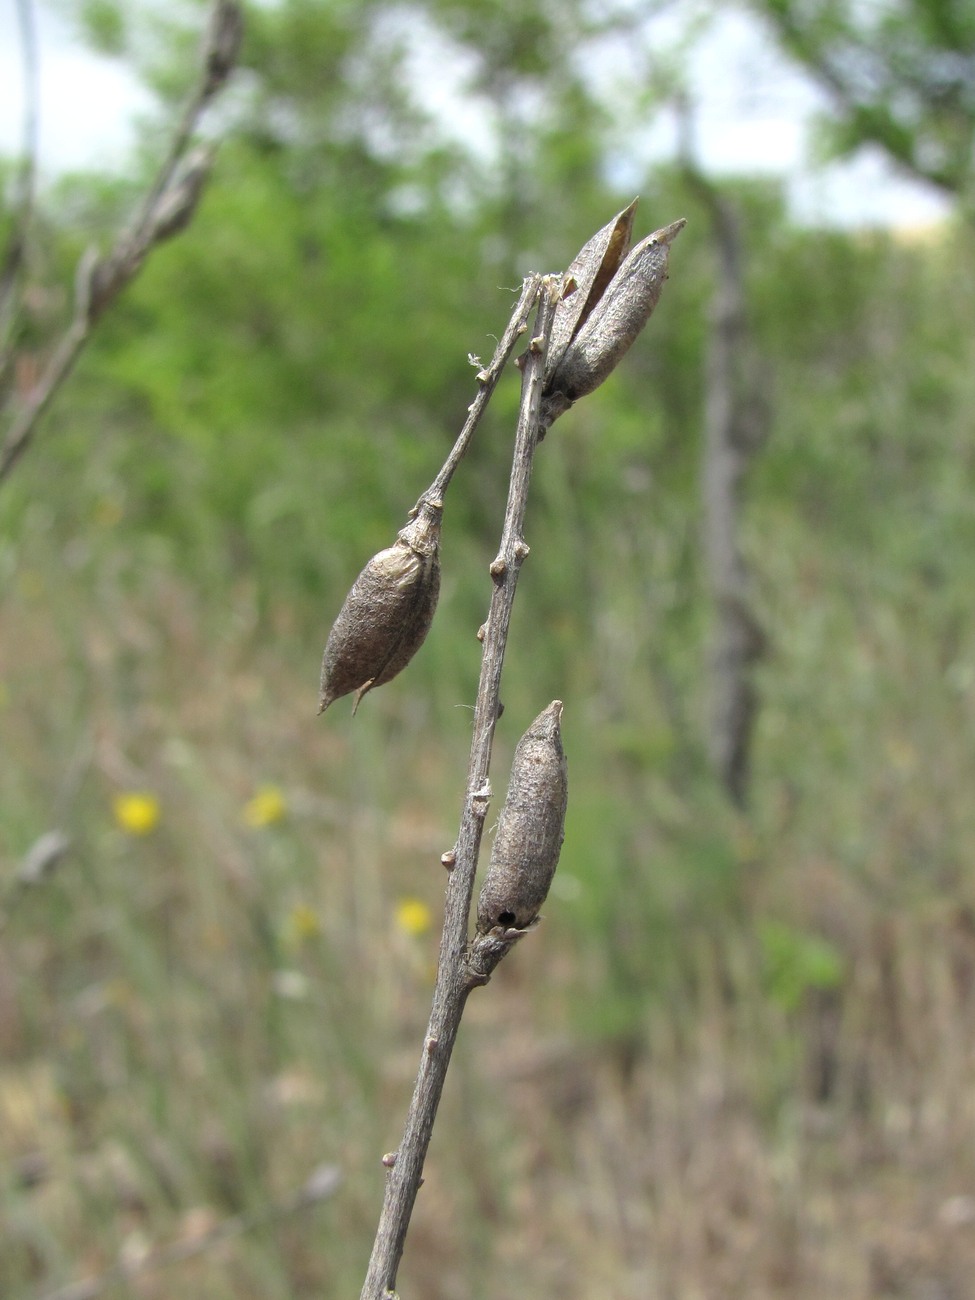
[901, 76]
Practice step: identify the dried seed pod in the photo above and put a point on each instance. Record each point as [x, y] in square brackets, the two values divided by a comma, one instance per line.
[387, 613]
[611, 324]
[177, 204]
[530, 829]
[618, 317]
[221, 44]
[590, 271]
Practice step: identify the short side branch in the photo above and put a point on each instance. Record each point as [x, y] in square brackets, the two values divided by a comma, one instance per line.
[487, 379]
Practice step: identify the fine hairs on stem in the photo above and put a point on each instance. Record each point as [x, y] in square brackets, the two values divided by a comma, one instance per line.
[584, 321]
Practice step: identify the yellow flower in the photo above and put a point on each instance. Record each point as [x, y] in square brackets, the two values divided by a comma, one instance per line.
[136, 813]
[303, 924]
[413, 916]
[266, 807]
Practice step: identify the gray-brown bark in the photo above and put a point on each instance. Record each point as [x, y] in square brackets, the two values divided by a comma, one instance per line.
[735, 426]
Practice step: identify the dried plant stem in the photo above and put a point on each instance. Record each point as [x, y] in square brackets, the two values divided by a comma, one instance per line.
[167, 206]
[23, 202]
[456, 975]
[323, 1183]
[55, 372]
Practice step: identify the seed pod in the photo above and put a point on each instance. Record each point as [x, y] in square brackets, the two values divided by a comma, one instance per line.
[590, 271]
[177, 204]
[387, 613]
[611, 324]
[530, 829]
[221, 44]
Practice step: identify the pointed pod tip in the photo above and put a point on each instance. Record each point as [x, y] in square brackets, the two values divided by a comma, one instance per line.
[668, 234]
[549, 721]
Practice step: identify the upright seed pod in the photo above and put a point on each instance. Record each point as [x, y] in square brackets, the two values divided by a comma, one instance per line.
[610, 324]
[530, 829]
[586, 278]
[388, 612]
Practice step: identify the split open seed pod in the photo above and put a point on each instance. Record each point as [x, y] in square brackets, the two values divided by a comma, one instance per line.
[616, 294]
[387, 614]
[586, 279]
[530, 829]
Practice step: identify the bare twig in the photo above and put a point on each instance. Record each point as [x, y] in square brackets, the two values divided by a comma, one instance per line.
[322, 1184]
[487, 379]
[38, 866]
[167, 207]
[455, 975]
[23, 205]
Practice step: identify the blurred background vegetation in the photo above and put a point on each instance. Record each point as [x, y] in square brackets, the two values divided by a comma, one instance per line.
[736, 1059]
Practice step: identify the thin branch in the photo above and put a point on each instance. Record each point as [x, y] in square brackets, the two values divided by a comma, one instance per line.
[220, 47]
[322, 1184]
[38, 866]
[166, 209]
[455, 974]
[487, 379]
[55, 372]
[23, 205]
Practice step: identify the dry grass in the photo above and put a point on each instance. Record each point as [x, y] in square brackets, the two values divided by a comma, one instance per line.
[193, 1019]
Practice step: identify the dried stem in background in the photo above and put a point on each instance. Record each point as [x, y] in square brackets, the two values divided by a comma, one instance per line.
[39, 865]
[14, 256]
[456, 975]
[322, 1184]
[167, 208]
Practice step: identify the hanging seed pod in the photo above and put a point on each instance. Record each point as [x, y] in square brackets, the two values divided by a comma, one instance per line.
[530, 829]
[387, 613]
[610, 324]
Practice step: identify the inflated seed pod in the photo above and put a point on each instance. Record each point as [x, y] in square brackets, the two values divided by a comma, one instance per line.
[387, 613]
[530, 829]
[612, 323]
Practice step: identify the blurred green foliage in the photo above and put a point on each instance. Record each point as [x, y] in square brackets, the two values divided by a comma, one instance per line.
[901, 76]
